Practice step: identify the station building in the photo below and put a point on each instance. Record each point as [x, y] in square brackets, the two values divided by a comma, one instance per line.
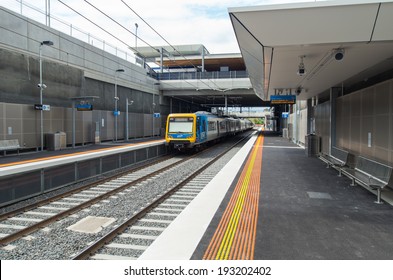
[334, 57]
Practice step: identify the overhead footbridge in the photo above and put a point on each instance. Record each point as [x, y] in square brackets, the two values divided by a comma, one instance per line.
[191, 73]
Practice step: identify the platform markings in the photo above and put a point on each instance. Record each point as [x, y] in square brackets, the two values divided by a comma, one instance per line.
[236, 233]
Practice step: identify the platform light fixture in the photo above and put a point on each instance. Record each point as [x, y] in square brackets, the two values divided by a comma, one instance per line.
[42, 86]
[128, 103]
[153, 107]
[116, 112]
[136, 35]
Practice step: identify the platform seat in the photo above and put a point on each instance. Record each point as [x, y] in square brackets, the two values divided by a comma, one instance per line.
[338, 159]
[9, 145]
[370, 173]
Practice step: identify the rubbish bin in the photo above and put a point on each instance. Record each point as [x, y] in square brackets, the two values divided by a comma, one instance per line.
[312, 145]
[62, 139]
[52, 142]
[285, 133]
[56, 141]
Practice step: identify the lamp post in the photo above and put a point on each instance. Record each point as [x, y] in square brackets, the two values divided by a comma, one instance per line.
[154, 105]
[116, 112]
[128, 103]
[42, 87]
[136, 35]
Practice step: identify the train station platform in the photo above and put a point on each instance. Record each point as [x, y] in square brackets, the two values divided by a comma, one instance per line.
[23, 157]
[30, 174]
[279, 205]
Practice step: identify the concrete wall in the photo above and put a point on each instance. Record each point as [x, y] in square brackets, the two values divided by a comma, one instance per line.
[365, 122]
[24, 35]
[22, 122]
[322, 125]
[71, 68]
[297, 123]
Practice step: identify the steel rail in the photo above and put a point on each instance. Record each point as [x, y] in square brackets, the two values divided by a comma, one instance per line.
[18, 234]
[48, 200]
[86, 253]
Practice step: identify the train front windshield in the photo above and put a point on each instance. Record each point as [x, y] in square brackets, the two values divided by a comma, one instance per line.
[180, 125]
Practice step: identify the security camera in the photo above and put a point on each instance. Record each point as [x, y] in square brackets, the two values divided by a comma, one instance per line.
[339, 54]
[116, 98]
[43, 86]
[301, 71]
[298, 90]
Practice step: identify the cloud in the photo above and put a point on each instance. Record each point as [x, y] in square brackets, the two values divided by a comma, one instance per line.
[179, 22]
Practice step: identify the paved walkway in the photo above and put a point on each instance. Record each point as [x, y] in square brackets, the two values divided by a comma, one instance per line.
[305, 212]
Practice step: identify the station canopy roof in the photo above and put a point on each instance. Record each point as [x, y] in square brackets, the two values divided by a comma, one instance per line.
[274, 39]
[190, 56]
[171, 51]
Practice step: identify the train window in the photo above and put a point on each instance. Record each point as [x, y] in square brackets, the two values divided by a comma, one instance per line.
[211, 126]
[180, 125]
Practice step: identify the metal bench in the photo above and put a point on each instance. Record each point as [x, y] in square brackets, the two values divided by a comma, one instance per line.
[338, 159]
[9, 145]
[370, 173]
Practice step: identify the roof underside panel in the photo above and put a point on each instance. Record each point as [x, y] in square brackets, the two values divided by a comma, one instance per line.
[319, 25]
[252, 52]
[274, 38]
[383, 27]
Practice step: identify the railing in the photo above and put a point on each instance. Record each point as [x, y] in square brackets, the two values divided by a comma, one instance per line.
[202, 75]
[24, 8]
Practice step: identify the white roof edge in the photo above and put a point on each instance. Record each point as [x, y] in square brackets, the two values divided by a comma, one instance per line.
[302, 5]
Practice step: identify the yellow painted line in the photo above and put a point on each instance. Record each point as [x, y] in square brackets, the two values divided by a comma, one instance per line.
[236, 233]
[72, 154]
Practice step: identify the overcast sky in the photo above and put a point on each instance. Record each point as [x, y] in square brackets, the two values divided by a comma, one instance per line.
[180, 22]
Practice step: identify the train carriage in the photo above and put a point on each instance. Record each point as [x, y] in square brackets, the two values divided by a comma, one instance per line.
[192, 130]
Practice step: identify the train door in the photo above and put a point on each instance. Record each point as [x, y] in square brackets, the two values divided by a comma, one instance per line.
[201, 129]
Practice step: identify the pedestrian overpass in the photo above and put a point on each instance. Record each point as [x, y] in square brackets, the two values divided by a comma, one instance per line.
[192, 74]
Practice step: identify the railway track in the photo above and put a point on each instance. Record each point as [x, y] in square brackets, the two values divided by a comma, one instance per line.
[124, 242]
[52, 222]
[28, 219]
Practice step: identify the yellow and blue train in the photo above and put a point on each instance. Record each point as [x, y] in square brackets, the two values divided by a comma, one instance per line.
[193, 130]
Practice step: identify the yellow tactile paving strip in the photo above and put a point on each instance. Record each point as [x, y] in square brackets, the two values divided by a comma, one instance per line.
[235, 236]
[72, 154]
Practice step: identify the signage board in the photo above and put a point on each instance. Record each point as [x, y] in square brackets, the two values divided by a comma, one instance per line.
[156, 115]
[282, 99]
[84, 107]
[116, 113]
[285, 115]
[41, 107]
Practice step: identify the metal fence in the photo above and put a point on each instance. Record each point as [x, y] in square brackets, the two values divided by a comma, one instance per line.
[202, 75]
[25, 8]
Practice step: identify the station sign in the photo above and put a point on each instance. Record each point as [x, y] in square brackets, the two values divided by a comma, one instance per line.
[84, 107]
[285, 115]
[156, 115]
[116, 113]
[42, 107]
[282, 99]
